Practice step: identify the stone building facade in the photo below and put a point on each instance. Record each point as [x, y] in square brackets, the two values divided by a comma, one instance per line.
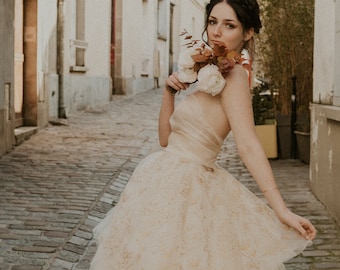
[60, 56]
[147, 40]
[6, 75]
[325, 109]
[57, 61]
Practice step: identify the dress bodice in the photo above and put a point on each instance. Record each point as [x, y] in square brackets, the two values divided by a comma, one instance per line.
[192, 136]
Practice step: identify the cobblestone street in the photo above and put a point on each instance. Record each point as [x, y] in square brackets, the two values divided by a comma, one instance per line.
[56, 186]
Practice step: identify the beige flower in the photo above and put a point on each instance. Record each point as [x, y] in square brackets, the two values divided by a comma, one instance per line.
[185, 58]
[210, 80]
[187, 75]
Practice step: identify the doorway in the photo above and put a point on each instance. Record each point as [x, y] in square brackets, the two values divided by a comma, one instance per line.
[25, 67]
[113, 42]
[19, 62]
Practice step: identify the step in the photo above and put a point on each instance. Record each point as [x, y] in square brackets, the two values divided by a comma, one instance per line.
[24, 133]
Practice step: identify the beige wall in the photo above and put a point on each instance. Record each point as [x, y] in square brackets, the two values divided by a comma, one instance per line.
[48, 91]
[188, 15]
[142, 54]
[86, 86]
[136, 46]
[325, 110]
[6, 75]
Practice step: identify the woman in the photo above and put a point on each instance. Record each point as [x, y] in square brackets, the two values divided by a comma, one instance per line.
[179, 209]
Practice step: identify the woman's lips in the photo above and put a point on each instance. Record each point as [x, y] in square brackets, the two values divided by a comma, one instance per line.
[218, 43]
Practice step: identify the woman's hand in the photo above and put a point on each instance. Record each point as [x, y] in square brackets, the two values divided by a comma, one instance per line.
[300, 224]
[174, 83]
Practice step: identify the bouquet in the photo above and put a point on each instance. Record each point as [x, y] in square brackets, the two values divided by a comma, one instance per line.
[208, 66]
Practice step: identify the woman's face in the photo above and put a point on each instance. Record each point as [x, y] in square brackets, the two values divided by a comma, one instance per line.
[224, 29]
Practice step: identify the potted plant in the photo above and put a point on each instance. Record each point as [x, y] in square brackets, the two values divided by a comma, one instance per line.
[286, 50]
[265, 125]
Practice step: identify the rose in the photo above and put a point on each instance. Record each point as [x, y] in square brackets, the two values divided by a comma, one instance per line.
[185, 58]
[187, 75]
[186, 72]
[209, 66]
[210, 80]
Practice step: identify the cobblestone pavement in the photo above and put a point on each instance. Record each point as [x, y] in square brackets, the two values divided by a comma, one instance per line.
[55, 187]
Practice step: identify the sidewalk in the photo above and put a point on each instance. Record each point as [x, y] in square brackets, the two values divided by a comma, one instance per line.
[55, 187]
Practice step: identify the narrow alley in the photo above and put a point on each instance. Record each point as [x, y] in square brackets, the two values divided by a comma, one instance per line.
[56, 186]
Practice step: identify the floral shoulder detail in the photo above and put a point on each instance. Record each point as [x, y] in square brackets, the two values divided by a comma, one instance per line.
[208, 66]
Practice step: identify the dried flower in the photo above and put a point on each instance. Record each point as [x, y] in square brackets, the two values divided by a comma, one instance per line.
[209, 66]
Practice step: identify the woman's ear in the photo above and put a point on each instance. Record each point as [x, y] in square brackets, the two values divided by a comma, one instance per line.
[248, 34]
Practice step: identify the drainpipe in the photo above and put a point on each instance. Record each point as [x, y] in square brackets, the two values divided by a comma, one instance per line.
[60, 58]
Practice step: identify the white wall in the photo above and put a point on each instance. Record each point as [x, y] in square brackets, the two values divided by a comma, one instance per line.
[139, 28]
[188, 15]
[92, 86]
[98, 29]
[324, 51]
[325, 110]
[336, 100]
[47, 85]
[145, 54]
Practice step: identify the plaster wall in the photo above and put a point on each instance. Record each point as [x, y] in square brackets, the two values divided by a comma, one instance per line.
[325, 110]
[98, 36]
[91, 86]
[47, 78]
[136, 36]
[143, 40]
[324, 51]
[6, 75]
[325, 156]
[188, 15]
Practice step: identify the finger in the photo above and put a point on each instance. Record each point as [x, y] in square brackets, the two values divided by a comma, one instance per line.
[174, 83]
[303, 232]
[309, 229]
[177, 86]
[300, 229]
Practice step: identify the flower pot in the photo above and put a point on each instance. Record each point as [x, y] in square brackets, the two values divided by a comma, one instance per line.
[303, 145]
[267, 135]
[284, 130]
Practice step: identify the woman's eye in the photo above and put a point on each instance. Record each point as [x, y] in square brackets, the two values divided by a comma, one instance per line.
[230, 26]
[212, 22]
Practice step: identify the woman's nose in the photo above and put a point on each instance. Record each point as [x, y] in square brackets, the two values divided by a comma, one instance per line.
[217, 30]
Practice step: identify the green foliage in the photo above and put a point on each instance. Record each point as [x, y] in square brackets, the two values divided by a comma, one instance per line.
[262, 105]
[286, 49]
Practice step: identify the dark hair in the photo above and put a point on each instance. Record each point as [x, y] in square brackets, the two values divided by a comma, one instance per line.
[247, 12]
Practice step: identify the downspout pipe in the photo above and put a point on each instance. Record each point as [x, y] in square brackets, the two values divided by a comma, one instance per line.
[60, 58]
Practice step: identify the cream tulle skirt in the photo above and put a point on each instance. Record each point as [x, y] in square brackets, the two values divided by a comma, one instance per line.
[176, 214]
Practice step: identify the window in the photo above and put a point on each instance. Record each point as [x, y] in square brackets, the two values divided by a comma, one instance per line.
[79, 45]
[162, 21]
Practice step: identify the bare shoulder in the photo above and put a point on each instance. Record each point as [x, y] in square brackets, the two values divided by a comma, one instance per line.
[237, 80]
[238, 73]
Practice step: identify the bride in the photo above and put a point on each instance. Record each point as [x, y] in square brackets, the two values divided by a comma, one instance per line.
[182, 211]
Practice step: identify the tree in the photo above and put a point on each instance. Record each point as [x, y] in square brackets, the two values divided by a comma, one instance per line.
[286, 50]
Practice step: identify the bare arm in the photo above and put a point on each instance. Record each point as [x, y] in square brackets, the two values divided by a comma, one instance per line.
[167, 107]
[236, 101]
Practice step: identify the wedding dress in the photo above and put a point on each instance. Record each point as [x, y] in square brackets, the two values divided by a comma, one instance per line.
[181, 211]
